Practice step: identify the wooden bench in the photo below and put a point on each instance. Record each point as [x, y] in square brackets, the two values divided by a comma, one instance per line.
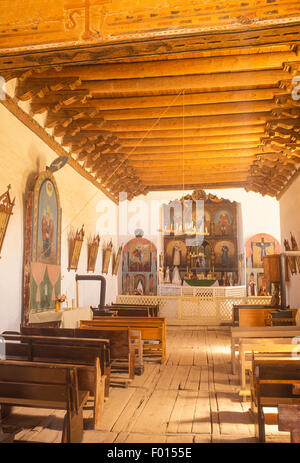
[85, 358]
[250, 315]
[289, 420]
[68, 336]
[120, 346]
[276, 347]
[128, 311]
[153, 330]
[273, 382]
[45, 385]
[239, 332]
[123, 342]
[153, 309]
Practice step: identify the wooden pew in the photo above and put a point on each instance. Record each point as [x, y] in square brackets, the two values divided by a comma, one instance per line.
[277, 347]
[152, 329]
[64, 336]
[120, 345]
[45, 385]
[85, 358]
[129, 311]
[251, 315]
[238, 333]
[273, 382]
[289, 420]
[153, 309]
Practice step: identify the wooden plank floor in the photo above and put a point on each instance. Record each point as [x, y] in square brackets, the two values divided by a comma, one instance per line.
[192, 398]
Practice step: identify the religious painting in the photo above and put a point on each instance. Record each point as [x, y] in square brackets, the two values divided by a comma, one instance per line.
[224, 253]
[223, 222]
[93, 247]
[75, 249]
[6, 207]
[107, 251]
[176, 253]
[258, 246]
[117, 260]
[42, 245]
[139, 255]
[139, 283]
[139, 266]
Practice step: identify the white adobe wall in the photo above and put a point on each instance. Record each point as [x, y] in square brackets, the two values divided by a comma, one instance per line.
[290, 223]
[23, 154]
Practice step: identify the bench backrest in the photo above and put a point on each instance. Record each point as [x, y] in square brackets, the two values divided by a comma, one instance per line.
[131, 311]
[276, 379]
[151, 329]
[119, 343]
[136, 321]
[38, 383]
[119, 340]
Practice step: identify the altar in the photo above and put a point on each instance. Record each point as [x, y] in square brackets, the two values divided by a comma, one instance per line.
[65, 318]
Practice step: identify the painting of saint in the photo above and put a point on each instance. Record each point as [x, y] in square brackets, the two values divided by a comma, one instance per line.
[223, 222]
[42, 244]
[47, 232]
[224, 252]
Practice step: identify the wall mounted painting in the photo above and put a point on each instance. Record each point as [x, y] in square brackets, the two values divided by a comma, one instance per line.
[93, 248]
[42, 266]
[6, 207]
[139, 266]
[258, 246]
[224, 253]
[223, 222]
[75, 246]
[117, 260]
[107, 251]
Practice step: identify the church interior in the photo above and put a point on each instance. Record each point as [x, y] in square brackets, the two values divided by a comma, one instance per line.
[149, 222]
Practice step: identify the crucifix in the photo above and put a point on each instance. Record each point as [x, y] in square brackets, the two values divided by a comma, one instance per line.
[86, 5]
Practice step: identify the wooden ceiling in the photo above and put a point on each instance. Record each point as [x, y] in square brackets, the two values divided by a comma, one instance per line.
[207, 109]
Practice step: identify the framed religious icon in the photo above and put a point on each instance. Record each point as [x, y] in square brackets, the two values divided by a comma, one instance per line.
[75, 249]
[107, 251]
[6, 207]
[117, 261]
[93, 247]
[42, 245]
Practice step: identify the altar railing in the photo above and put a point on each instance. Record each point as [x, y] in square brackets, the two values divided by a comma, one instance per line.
[209, 308]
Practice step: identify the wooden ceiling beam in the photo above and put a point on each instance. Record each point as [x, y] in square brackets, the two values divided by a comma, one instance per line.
[219, 176]
[207, 132]
[183, 66]
[198, 82]
[188, 111]
[203, 122]
[216, 155]
[197, 186]
[142, 166]
[184, 150]
[39, 87]
[153, 101]
[178, 141]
